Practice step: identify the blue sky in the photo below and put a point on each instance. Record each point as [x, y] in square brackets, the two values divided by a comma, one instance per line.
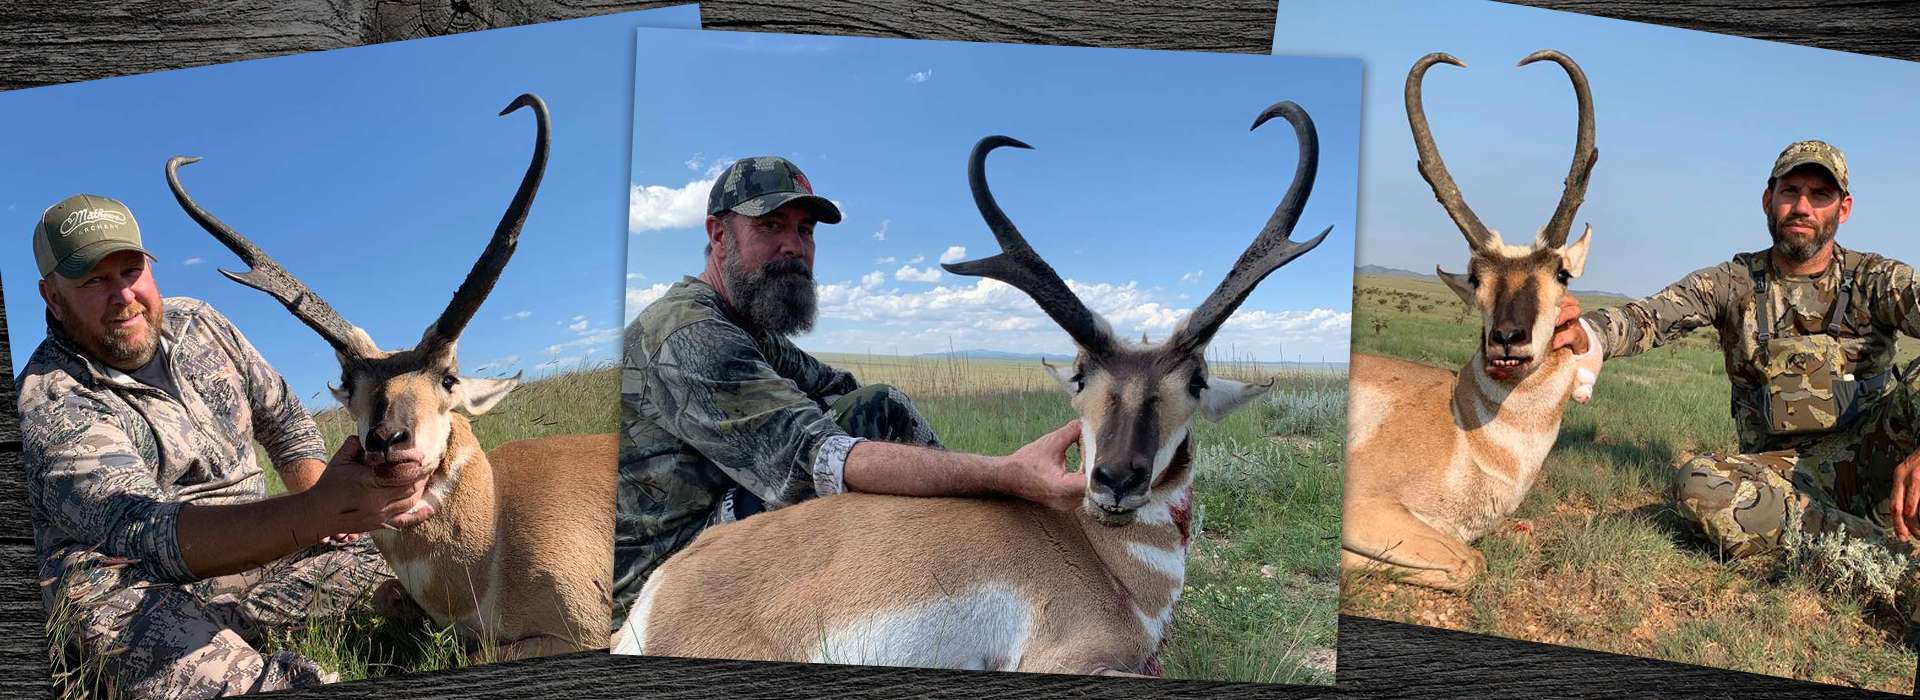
[374, 174]
[1144, 186]
[1688, 124]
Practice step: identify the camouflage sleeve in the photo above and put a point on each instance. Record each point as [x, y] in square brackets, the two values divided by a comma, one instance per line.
[1641, 325]
[815, 378]
[717, 393]
[1894, 294]
[280, 423]
[87, 481]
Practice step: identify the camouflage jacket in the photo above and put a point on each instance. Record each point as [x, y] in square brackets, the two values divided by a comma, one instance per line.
[1885, 301]
[707, 406]
[111, 460]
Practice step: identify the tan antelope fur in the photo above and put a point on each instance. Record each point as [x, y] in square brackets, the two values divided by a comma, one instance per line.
[1436, 458]
[991, 583]
[517, 555]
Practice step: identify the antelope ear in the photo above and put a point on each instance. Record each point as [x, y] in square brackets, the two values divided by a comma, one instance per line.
[1063, 374]
[477, 396]
[1222, 396]
[1573, 256]
[1458, 283]
[340, 393]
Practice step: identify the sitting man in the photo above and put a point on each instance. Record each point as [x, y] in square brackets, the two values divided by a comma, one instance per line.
[721, 416]
[162, 558]
[1826, 422]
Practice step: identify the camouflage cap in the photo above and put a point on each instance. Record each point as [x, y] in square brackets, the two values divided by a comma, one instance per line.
[1812, 153]
[757, 186]
[74, 234]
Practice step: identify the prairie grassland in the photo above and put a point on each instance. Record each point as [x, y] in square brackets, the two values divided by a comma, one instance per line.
[1261, 593]
[1595, 557]
[1262, 576]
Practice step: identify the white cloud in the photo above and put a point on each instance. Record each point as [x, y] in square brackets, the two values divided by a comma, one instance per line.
[638, 298]
[1193, 276]
[658, 207]
[889, 260]
[873, 279]
[908, 273]
[988, 314]
[518, 316]
[631, 276]
[920, 76]
[954, 254]
[578, 326]
[917, 259]
[881, 234]
[195, 260]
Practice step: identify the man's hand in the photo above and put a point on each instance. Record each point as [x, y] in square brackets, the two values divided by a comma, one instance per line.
[1038, 471]
[352, 500]
[1905, 508]
[1566, 327]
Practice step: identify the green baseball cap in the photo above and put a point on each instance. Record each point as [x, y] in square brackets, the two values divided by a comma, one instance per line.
[757, 186]
[1810, 152]
[76, 233]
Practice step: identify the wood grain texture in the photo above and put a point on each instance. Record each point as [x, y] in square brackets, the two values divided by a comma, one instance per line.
[55, 41]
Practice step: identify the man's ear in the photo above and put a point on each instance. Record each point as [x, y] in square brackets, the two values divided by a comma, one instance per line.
[1458, 283]
[477, 396]
[53, 305]
[1222, 396]
[1846, 208]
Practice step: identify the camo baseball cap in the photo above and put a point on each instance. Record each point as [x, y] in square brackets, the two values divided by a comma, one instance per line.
[77, 232]
[757, 186]
[1812, 153]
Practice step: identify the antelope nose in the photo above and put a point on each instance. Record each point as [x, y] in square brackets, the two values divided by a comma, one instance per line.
[382, 437]
[1509, 336]
[1118, 480]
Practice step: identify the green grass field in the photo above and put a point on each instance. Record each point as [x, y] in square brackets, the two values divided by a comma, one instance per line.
[1263, 574]
[1594, 557]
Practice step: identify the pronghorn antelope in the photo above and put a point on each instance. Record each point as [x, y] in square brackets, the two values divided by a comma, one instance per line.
[980, 583]
[1435, 459]
[517, 551]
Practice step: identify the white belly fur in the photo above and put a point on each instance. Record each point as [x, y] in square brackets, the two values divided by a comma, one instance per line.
[985, 628]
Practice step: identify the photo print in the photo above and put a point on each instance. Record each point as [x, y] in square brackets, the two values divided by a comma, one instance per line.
[326, 463]
[1712, 465]
[878, 290]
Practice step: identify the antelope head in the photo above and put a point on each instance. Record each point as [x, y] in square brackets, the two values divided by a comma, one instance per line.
[1517, 288]
[1137, 402]
[401, 401]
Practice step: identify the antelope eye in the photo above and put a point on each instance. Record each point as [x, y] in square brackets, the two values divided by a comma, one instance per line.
[447, 381]
[1078, 381]
[1564, 277]
[1197, 385]
[1473, 279]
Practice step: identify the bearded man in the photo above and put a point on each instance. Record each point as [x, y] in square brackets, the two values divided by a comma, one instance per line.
[1826, 421]
[721, 416]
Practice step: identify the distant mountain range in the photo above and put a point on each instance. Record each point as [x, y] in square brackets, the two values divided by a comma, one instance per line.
[1380, 271]
[1002, 355]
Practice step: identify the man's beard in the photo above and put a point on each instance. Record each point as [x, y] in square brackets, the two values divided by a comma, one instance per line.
[777, 298]
[113, 347]
[1800, 250]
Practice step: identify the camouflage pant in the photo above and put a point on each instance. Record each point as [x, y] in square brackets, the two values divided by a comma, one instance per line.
[1837, 483]
[198, 639]
[875, 412]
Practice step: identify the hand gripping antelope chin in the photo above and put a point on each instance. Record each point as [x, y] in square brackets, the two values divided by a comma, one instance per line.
[516, 554]
[1436, 458]
[992, 583]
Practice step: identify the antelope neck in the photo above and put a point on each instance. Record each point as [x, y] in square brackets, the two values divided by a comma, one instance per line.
[1532, 404]
[1145, 560]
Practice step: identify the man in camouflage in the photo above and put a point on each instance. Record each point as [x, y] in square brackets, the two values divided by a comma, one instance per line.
[722, 416]
[162, 561]
[1825, 420]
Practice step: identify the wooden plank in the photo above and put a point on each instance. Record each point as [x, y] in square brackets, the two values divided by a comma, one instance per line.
[53, 41]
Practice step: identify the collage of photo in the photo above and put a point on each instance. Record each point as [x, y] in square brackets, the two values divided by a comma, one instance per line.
[617, 335]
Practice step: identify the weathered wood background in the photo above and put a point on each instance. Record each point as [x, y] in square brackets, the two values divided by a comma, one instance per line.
[55, 41]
